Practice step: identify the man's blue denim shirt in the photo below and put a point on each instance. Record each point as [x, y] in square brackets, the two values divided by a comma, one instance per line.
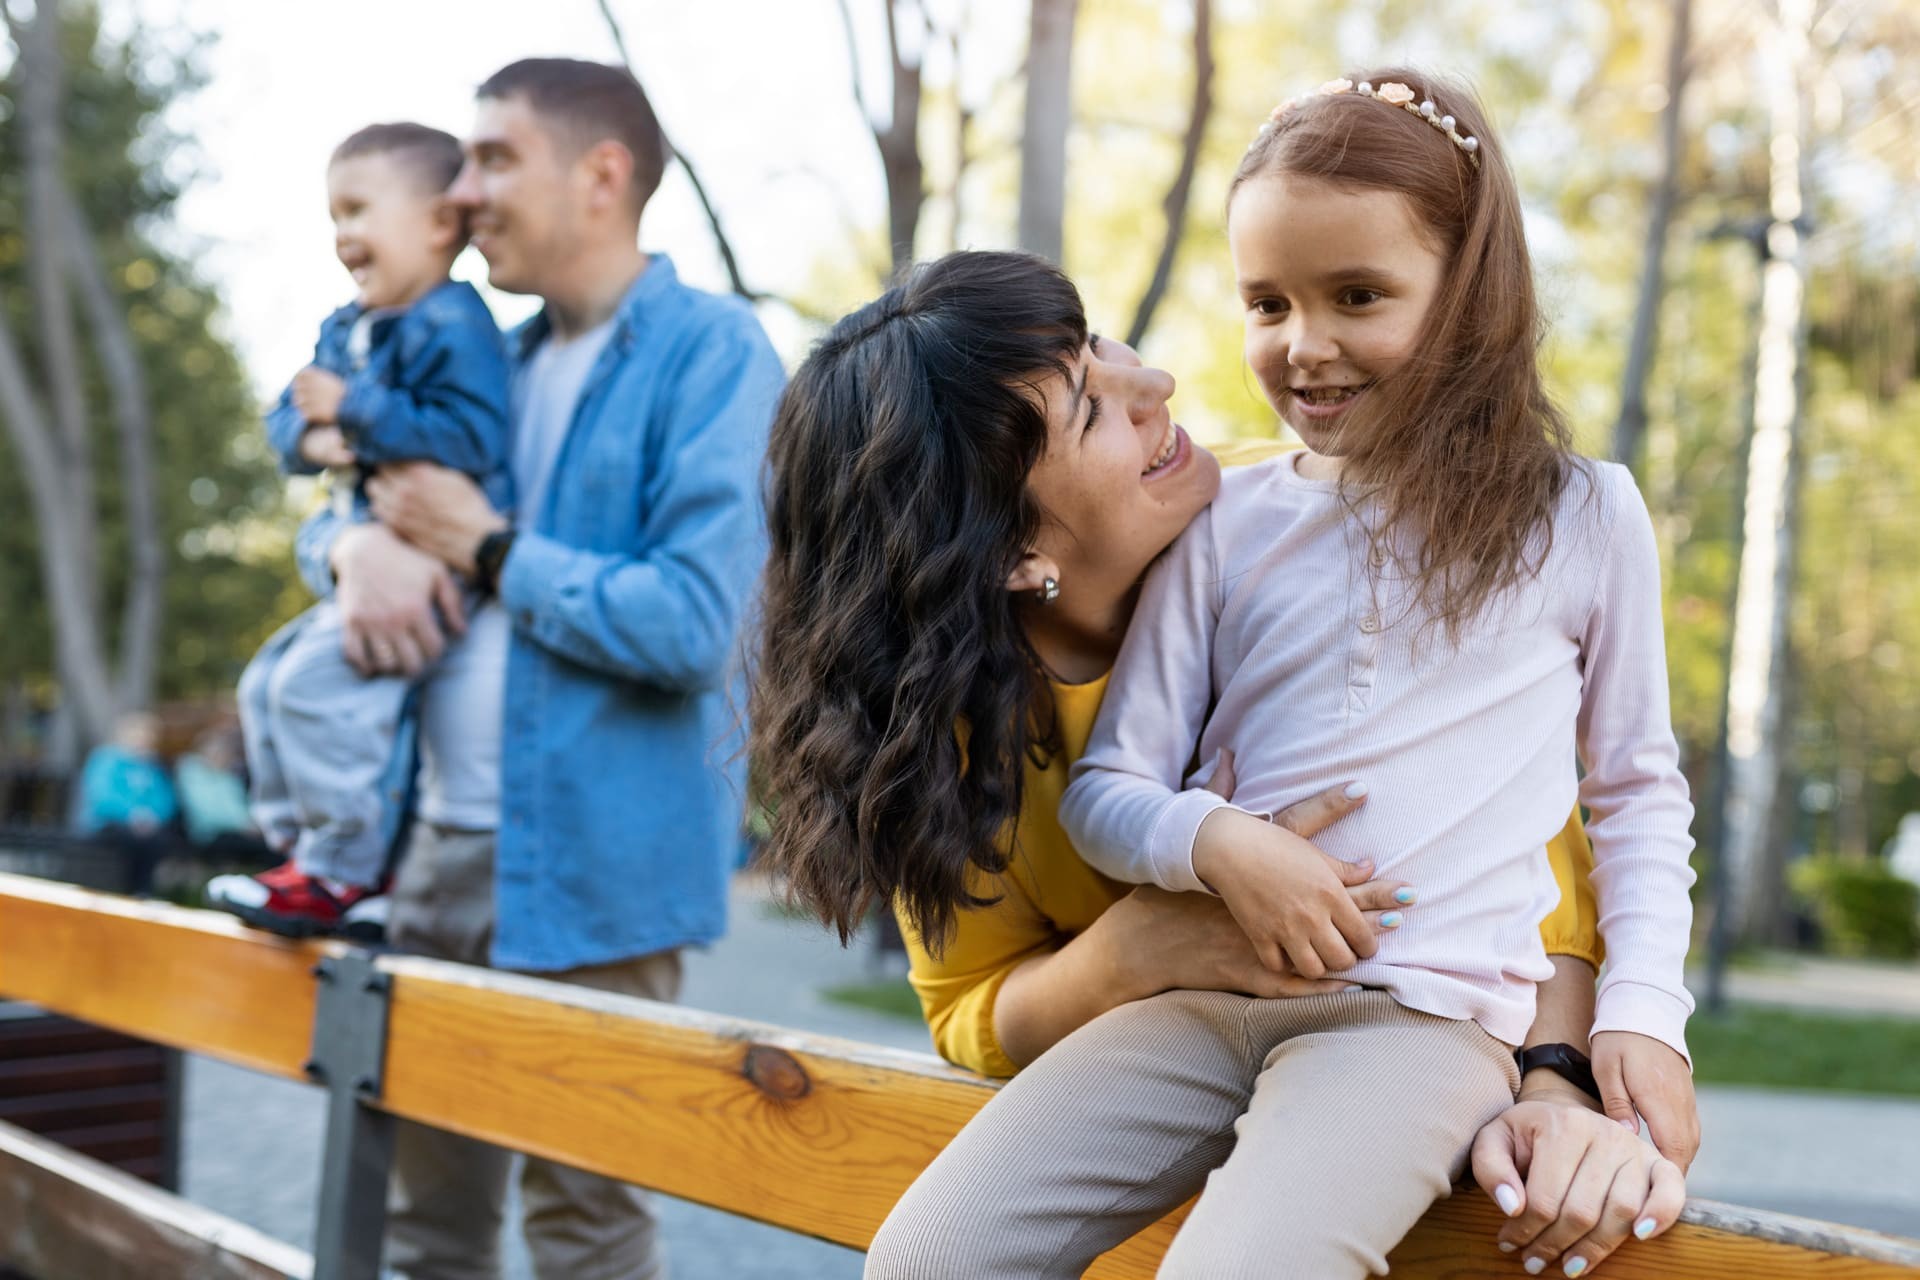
[623, 791]
[431, 385]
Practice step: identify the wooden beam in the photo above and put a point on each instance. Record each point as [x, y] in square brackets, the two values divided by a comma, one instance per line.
[62, 1214]
[821, 1136]
[806, 1132]
[196, 980]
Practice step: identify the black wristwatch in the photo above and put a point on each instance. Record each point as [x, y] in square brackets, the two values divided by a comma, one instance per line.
[1564, 1061]
[489, 558]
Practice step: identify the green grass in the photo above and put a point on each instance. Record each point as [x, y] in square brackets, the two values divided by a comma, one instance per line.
[1750, 1045]
[1789, 1049]
[892, 997]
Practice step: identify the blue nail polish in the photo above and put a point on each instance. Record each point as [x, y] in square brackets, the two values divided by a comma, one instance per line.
[1391, 920]
[1574, 1268]
[1403, 896]
[1645, 1227]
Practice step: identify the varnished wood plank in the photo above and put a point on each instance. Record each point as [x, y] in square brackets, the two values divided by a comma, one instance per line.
[195, 980]
[821, 1135]
[806, 1132]
[63, 1215]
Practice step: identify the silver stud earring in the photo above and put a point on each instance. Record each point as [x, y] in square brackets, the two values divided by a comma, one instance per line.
[1049, 590]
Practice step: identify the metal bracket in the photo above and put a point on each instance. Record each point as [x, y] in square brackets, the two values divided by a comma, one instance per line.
[348, 1057]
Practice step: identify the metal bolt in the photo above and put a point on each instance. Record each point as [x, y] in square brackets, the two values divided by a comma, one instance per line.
[323, 971]
[315, 1072]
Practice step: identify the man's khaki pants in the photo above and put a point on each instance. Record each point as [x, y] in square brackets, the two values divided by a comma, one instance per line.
[448, 1195]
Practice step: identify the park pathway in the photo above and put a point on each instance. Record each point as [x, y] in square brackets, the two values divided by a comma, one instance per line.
[252, 1143]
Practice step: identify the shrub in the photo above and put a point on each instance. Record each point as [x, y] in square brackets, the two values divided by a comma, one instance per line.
[1862, 906]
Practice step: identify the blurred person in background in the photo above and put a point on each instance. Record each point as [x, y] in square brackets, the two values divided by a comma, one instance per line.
[126, 799]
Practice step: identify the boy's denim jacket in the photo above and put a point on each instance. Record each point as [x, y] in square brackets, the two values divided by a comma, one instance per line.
[623, 791]
[432, 386]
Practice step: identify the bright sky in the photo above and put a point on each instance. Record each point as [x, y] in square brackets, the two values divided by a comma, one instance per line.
[756, 91]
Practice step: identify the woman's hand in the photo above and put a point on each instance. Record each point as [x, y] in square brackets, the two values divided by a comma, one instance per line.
[394, 600]
[1641, 1077]
[1574, 1184]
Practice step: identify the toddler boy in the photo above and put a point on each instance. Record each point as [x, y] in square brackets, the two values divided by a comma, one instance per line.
[413, 368]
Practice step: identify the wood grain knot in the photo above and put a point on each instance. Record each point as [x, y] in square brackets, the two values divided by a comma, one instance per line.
[776, 1073]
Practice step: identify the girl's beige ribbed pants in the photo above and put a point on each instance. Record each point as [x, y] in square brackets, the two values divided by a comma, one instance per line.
[1321, 1129]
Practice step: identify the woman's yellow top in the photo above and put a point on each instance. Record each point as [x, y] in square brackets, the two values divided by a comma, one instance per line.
[1048, 894]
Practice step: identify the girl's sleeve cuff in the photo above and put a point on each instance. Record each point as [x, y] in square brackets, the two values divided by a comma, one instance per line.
[1647, 1010]
[1170, 847]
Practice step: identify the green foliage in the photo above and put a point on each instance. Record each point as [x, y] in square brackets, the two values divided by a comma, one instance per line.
[227, 580]
[1753, 1045]
[1861, 905]
[893, 997]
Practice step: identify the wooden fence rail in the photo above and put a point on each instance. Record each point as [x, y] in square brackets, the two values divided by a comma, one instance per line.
[806, 1132]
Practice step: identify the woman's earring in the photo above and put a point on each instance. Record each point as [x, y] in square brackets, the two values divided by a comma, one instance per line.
[1049, 590]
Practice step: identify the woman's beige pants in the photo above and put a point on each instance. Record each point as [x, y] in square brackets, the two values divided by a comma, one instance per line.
[1321, 1129]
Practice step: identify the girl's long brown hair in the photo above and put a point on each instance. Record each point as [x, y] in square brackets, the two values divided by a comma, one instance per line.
[1461, 446]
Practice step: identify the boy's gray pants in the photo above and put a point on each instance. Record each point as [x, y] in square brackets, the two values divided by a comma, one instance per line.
[319, 740]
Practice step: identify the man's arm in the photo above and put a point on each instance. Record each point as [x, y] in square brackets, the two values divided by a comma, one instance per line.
[667, 615]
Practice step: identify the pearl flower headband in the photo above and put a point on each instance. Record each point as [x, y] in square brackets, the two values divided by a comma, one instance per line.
[1393, 93]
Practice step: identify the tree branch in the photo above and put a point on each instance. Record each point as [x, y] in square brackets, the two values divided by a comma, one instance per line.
[727, 258]
[853, 65]
[1178, 194]
[140, 617]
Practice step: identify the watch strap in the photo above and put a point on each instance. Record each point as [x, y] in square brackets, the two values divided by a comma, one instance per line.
[1564, 1061]
[490, 558]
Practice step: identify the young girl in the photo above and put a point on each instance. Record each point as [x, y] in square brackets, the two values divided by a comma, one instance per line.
[1435, 597]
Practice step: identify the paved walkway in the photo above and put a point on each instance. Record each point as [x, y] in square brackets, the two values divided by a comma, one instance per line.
[252, 1143]
[1822, 985]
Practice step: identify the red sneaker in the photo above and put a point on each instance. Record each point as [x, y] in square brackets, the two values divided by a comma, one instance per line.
[293, 904]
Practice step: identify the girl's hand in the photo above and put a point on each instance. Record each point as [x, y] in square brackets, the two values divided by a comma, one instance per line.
[1574, 1184]
[1291, 899]
[1641, 1077]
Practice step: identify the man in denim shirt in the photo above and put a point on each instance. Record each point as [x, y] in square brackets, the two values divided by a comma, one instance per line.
[640, 410]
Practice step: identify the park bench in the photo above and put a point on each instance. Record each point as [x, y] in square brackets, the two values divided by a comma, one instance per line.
[809, 1133]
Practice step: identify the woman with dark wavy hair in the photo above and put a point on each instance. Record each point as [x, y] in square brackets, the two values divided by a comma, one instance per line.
[966, 490]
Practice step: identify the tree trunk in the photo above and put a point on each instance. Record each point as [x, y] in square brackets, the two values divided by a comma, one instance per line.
[899, 145]
[1756, 678]
[1632, 423]
[69, 581]
[1175, 203]
[1043, 141]
[140, 616]
[898, 140]
[40, 76]
[53, 441]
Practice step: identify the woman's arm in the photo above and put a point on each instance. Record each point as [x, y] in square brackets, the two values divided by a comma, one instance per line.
[1153, 941]
[1148, 942]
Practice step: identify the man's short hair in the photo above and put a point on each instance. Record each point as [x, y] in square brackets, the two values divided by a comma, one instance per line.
[590, 102]
[432, 155]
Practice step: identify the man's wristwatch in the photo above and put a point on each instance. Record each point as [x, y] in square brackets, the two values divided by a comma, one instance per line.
[489, 558]
[1564, 1061]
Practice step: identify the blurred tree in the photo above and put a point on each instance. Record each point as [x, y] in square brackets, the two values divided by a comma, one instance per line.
[224, 586]
[1043, 136]
[1632, 423]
